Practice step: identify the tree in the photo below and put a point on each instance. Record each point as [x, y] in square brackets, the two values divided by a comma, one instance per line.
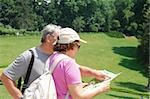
[69, 10]
[115, 24]
[7, 12]
[143, 48]
[93, 27]
[78, 24]
[88, 10]
[82, 15]
[47, 12]
[138, 14]
[132, 28]
[18, 14]
[108, 10]
[124, 13]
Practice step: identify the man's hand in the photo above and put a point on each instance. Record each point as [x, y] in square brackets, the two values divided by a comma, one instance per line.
[11, 87]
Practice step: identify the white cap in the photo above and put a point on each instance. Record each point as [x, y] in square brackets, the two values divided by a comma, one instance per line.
[68, 35]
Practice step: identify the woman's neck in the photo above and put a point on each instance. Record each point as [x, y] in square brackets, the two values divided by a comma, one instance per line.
[68, 53]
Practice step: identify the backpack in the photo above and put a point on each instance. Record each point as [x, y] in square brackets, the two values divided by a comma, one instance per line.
[44, 86]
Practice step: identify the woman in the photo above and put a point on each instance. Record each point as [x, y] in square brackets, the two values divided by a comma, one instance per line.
[67, 74]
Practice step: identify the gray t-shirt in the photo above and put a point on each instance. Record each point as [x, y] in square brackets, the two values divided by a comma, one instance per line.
[18, 68]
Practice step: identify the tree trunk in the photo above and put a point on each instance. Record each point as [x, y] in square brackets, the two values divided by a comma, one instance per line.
[107, 24]
[148, 86]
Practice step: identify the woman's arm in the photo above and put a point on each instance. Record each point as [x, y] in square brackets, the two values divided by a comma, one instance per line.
[88, 72]
[75, 86]
[77, 91]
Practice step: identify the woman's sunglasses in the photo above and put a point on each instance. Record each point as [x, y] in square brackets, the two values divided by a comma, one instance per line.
[78, 46]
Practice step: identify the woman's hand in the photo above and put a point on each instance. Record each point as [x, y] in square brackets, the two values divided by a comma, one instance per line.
[105, 87]
[99, 75]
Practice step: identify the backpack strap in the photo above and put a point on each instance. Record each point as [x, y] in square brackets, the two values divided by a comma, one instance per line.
[54, 64]
[19, 83]
[28, 72]
[56, 61]
[67, 95]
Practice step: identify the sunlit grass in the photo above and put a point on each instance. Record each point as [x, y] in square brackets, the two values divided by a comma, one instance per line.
[101, 52]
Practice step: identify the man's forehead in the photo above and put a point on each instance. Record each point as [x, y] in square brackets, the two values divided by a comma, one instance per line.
[57, 33]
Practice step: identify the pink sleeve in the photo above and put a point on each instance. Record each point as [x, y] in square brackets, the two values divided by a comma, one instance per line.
[72, 72]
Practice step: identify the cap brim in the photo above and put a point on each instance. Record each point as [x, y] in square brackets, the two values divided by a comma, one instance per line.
[83, 41]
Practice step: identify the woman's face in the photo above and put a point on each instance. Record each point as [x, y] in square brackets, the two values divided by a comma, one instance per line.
[75, 49]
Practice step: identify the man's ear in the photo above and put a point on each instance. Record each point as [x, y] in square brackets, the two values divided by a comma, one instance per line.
[55, 42]
[48, 38]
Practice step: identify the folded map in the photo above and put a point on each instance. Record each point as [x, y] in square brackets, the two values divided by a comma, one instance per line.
[110, 75]
[94, 83]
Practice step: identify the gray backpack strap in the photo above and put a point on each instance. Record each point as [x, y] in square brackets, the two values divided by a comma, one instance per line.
[67, 95]
[54, 64]
[56, 61]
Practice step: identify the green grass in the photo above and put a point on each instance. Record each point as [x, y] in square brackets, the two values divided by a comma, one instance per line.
[101, 52]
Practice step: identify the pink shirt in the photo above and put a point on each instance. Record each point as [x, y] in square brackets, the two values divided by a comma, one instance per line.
[66, 72]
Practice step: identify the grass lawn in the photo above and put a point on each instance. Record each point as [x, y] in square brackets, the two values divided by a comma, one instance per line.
[101, 52]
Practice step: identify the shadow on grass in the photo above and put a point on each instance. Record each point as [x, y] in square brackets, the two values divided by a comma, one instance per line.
[126, 51]
[121, 97]
[133, 65]
[134, 86]
[117, 89]
[130, 62]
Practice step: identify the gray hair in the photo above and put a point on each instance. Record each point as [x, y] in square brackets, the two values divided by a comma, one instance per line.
[49, 29]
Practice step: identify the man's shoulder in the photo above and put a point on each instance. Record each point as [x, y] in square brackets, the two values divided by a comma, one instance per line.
[27, 53]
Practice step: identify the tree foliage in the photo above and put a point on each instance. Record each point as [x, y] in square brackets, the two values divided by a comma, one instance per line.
[143, 48]
[144, 38]
[82, 15]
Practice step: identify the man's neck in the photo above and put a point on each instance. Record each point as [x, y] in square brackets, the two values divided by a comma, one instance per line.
[46, 48]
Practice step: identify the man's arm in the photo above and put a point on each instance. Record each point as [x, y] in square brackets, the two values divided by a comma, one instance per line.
[11, 87]
[88, 72]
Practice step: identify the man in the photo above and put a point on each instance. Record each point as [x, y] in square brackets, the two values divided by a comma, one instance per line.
[19, 67]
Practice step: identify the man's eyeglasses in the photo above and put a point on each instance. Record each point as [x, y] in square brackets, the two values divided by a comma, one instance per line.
[54, 35]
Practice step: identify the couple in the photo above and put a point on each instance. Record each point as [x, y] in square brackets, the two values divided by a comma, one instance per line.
[67, 74]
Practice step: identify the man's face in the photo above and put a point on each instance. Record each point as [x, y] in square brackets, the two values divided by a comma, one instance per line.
[54, 37]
